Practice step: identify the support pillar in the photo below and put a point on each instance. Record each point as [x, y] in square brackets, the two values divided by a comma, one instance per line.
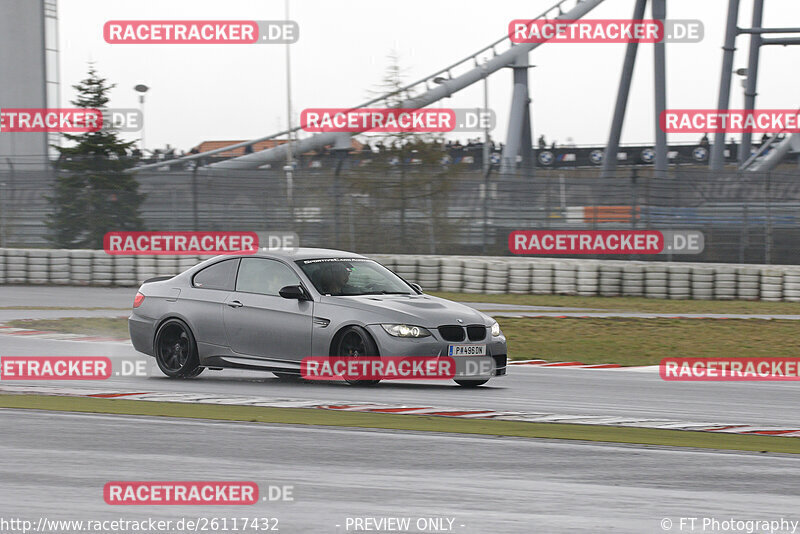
[752, 78]
[610, 157]
[659, 8]
[519, 137]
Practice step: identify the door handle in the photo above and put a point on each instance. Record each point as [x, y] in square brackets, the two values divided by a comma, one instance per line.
[235, 304]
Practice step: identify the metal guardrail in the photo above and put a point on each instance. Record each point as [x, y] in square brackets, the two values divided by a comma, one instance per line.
[468, 274]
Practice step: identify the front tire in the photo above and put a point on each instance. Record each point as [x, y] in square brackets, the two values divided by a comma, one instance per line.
[354, 342]
[289, 377]
[176, 350]
[194, 373]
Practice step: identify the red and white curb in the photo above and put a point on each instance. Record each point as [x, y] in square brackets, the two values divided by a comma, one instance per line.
[581, 365]
[640, 315]
[58, 336]
[401, 409]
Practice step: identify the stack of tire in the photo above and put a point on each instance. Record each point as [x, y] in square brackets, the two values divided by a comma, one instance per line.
[680, 283]
[80, 262]
[58, 264]
[102, 268]
[702, 283]
[428, 273]
[564, 280]
[747, 283]
[542, 278]
[791, 285]
[496, 277]
[452, 275]
[38, 266]
[387, 261]
[145, 268]
[587, 279]
[610, 280]
[656, 282]
[406, 268]
[125, 271]
[474, 275]
[724, 282]
[166, 265]
[771, 284]
[16, 266]
[633, 280]
[519, 277]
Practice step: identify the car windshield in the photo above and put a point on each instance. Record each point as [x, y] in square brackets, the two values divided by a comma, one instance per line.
[352, 276]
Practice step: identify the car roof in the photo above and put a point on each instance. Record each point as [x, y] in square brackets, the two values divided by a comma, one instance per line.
[306, 254]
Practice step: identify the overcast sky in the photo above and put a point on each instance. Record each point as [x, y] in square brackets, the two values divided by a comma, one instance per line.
[219, 92]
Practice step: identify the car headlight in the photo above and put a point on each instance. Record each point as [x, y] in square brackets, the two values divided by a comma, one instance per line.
[495, 329]
[404, 330]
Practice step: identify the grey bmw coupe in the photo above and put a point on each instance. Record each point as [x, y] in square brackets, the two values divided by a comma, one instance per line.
[270, 310]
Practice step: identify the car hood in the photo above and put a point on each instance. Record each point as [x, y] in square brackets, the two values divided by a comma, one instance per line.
[420, 310]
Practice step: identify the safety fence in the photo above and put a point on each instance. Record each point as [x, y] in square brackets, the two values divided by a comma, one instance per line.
[751, 218]
[467, 274]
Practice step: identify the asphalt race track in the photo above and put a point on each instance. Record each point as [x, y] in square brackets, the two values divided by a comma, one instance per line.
[612, 392]
[485, 484]
[55, 464]
[529, 389]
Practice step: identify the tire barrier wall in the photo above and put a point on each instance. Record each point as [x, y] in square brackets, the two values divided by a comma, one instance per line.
[467, 274]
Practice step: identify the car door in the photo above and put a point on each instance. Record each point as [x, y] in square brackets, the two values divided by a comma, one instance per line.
[203, 302]
[259, 322]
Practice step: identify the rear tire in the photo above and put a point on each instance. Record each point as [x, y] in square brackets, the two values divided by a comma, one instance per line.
[353, 342]
[471, 383]
[176, 350]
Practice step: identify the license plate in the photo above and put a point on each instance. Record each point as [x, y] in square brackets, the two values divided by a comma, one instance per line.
[466, 350]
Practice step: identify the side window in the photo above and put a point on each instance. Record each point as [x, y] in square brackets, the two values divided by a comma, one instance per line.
[263, 276]
[221, 275]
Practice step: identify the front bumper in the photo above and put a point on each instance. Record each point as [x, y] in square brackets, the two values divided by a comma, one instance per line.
[467, 367]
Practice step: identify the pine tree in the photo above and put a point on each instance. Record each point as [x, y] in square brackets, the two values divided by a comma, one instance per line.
[93, 195]
[412, 167]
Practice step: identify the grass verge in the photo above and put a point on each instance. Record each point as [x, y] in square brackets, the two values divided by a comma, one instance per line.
[633, 304]
[306, 416]
[646, 341]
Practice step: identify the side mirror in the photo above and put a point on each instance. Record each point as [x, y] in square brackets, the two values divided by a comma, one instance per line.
[416, 286]
[293, 292]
